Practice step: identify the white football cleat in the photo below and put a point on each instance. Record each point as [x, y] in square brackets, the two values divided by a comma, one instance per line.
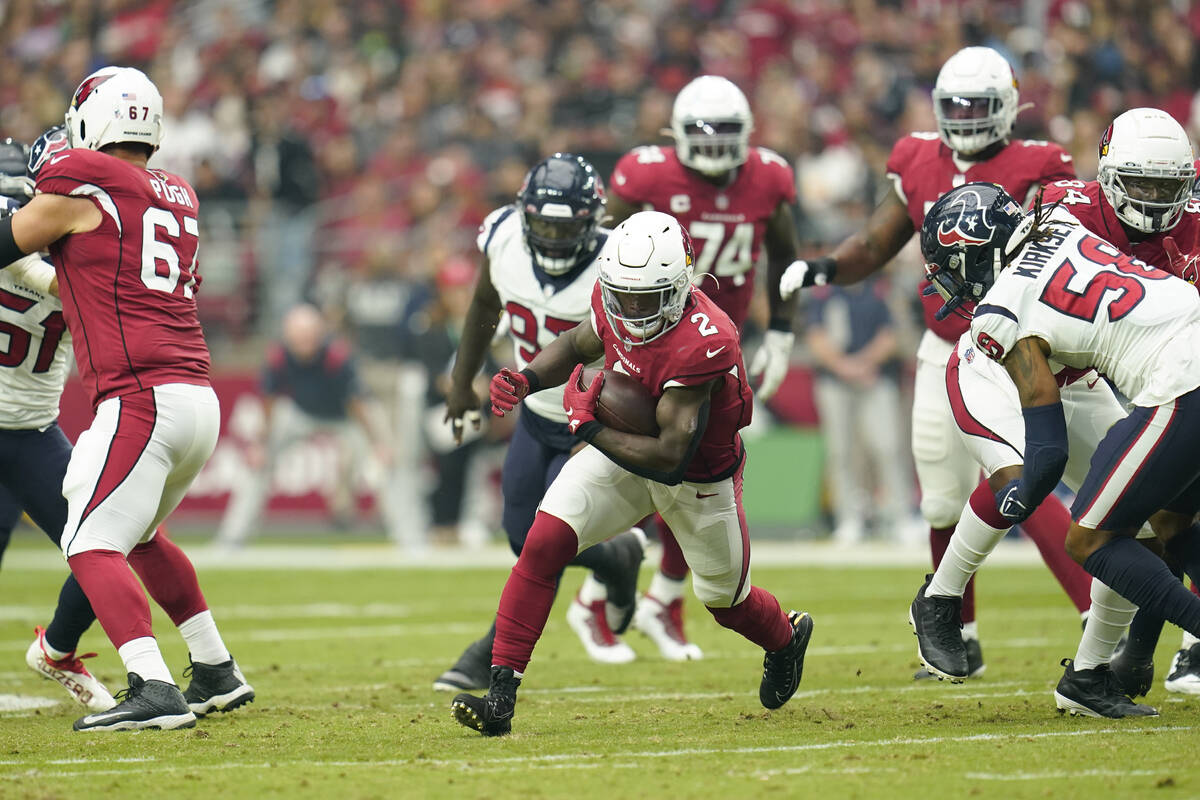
[664, 625]
[1184, 675]
[591, 626]
[71, 673]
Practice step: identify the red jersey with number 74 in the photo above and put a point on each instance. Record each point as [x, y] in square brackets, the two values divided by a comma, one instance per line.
[727, 223]
[702, 346]
[128, 287]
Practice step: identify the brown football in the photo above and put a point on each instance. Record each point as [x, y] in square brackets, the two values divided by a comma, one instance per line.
[624, 403]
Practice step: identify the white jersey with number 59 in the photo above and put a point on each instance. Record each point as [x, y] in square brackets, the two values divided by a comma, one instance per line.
[539, 306]
[1096, 307]
[33, 361]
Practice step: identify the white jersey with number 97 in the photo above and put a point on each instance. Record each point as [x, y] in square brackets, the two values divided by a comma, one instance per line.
[538, 310]
[1096, 307]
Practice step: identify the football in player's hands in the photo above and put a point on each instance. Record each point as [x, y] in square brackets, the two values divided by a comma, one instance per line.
[624, 404]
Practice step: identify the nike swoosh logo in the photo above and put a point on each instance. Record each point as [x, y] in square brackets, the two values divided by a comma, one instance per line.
[711, 353]
[1066, 158]
[57, 159]
[702, 496]
[1091, 384]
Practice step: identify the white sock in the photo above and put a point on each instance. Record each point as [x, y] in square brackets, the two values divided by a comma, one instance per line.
[203, 639]
[1188, 641]
[970, 630]
[57, 655]
[142, 656]
[665, 590]
[1110, 616]
[972, 542]
[592, 590]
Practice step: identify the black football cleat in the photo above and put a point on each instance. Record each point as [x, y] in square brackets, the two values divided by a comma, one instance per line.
[1095, 693]
[145, 705]
[782, 669]
[472, 671]
[621, 603]
[216, 687]
[1134, 678]
[937, 622]
[491, 714]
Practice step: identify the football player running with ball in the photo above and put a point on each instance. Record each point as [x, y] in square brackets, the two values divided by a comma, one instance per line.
[735, 201]
[649, 322]
[539, 266]
[975, 101]
[1050, 294]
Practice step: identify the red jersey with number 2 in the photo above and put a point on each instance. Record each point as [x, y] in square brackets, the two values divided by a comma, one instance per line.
[923, 169]
[128, 287]
[702, 346]
[1086, 202]
[727, 223]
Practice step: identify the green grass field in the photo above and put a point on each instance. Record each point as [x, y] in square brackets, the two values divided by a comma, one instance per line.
[342, 661]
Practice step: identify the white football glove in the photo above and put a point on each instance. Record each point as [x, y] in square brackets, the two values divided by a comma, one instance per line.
[800, 274]
[772, 359]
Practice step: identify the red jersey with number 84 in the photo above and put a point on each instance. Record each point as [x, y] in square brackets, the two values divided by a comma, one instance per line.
[128, 287]
[702, 346]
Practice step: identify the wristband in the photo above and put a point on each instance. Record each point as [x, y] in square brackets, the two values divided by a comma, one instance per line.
[535, 385]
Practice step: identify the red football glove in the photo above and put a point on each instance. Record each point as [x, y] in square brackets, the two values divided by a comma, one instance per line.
[1184, 265]
[580, 404]
[506, 390]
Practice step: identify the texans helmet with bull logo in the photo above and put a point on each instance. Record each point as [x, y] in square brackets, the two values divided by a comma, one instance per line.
[963, 242]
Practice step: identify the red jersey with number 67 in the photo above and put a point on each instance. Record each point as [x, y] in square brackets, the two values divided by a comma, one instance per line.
[923, 169]
[128, 286]
[1087, 203]
[702, 346]
[727, 223]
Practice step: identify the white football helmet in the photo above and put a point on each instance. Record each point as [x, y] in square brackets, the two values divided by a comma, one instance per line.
[1146, 169]
[975, 100]
[645, 276]
[711, 123]
[115, 104]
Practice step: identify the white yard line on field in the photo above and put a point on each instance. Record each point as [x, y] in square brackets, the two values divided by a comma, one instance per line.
[581, 760]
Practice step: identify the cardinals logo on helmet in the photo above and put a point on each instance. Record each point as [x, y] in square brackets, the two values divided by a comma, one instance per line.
[969, 227]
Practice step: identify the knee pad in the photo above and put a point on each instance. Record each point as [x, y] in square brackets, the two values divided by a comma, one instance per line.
[941, 511]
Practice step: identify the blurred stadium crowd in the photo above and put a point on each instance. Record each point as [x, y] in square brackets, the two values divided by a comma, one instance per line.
[345, 152]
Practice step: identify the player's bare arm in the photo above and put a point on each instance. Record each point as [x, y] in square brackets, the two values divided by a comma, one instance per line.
[44, 220]
[478, 330]
[682, 414]
[780, 242]
[860, 255]
[866, 252]
[619, 210]
[1030, 372]
[579, 345]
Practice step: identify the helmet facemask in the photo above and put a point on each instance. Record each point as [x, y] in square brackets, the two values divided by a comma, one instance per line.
[556, 239]
[641, 315]
[1146, 201]
[713, 147]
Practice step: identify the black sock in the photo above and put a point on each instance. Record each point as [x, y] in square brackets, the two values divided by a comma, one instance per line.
[1144, 580]
[598, 558]
[1184, 547]
[1143, 636]
[72, 616]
